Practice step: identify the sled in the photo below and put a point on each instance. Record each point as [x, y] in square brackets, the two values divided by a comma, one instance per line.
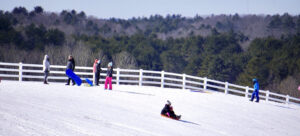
[89, 82]
[73, 76]
[170, 117]
[86, 84]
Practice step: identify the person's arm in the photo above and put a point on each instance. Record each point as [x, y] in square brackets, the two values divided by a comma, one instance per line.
[111, 71]
[69, 65]
[99, 68]
[164, 110]
[73, 66]
[44, 65]
[107, 72]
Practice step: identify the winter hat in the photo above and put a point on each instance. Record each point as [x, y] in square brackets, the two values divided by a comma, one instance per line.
[46, 57]
[110, 64]
[168, 102]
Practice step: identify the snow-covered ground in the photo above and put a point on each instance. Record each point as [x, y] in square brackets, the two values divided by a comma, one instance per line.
[34, 109]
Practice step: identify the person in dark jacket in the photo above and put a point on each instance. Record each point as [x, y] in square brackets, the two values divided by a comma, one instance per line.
[169, 112]
[97, 70]
[109, 76]
[256, 90]
[71, 65]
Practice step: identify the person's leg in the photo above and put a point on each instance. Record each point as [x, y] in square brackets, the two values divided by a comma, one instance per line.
[257, 96]
[252, 97]
[105, 84]
[110, 85]
[97, 79]
[172, 115]
[68, 82]
[46, 76]
[73, 81]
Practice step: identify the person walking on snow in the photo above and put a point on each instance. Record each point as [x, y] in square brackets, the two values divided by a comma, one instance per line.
[46, 68]
[97, 70]
[71, 66]
[256, 90]
[109, 76]
[169, 112]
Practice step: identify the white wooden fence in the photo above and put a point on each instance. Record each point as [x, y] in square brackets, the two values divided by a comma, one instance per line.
[33, 72]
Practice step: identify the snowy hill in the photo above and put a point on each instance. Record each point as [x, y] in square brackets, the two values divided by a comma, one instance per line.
[31, 108]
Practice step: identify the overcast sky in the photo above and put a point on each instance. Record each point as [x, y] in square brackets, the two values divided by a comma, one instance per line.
[144, 8]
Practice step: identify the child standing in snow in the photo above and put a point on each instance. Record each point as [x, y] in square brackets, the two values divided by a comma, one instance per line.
[256, 90]
[168, 111]
[109, 76]
[97, 70]
[46, 68]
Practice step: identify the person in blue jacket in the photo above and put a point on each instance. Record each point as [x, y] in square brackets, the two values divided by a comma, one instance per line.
[256, 90]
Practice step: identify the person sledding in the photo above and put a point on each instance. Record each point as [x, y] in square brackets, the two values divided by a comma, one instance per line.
[168, 111]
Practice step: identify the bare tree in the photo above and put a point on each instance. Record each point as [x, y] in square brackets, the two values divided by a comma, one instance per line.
[58, 55]
[125, 60]
[287, 86]
[99, 54]
[11, 53]
[82, 54]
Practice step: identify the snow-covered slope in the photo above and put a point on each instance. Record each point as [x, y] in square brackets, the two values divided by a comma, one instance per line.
[34, 109]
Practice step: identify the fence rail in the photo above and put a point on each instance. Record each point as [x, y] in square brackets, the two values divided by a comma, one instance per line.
[33, 72]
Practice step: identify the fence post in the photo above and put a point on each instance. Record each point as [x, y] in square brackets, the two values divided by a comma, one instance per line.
[267, 95]
[141, 77]
[247, 91]
[162, 79]
[183, 81]
[287, 100]
[205, 82]
[226, 87]
[20, 71]
[118, 76]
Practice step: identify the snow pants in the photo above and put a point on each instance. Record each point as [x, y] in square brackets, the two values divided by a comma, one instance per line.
[46, 74]
[69, 79]
[255, 93]
[97, 77]
[172, 114]
[108, 80]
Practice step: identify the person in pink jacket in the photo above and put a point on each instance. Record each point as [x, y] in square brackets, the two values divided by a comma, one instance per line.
[109, 76]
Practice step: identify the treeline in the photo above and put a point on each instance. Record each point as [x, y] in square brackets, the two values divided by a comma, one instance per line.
[275, 62]
[169, 26]
[217, 47]
[28, 37]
